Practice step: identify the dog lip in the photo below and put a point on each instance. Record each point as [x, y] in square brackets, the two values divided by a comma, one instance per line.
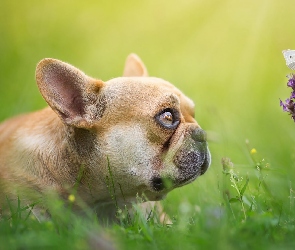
[162, 184]
[206, 163]
[186, 181]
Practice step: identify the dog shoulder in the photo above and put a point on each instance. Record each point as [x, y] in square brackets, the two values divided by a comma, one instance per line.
[11, 126]
[21, 132]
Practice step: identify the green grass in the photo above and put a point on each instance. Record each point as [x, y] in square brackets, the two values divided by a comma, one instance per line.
[226, 56]
[246, 214]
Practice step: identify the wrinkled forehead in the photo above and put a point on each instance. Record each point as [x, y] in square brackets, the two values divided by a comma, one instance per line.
[133, 94]
[145, 88]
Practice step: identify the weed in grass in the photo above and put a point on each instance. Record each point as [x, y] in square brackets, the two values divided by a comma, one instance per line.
[250, 215]
[238, 185]
[252, 206]
[252, 194]
[111, 185]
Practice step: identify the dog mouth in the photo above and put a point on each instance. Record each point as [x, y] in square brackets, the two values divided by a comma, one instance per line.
[191, 160]
[159, 184]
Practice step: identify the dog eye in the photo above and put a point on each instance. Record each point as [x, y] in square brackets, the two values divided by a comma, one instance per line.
[168, 118]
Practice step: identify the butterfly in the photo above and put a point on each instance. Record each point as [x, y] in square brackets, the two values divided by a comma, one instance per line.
[289, 56]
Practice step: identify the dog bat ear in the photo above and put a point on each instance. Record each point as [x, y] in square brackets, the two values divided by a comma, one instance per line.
[69, 92]
[134, 66]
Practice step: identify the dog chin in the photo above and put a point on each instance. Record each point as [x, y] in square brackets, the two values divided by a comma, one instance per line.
[145, 196]
[155, 196]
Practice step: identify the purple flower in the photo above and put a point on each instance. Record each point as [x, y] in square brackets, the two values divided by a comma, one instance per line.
[291, 82]
[283, 105]
[289, 104]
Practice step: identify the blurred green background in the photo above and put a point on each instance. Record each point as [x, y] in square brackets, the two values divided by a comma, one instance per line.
[225, 55]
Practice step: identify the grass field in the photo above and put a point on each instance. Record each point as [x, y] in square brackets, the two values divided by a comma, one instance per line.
[226, 56]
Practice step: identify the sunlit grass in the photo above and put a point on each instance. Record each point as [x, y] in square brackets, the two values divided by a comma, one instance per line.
[226, 56]
[247, 213]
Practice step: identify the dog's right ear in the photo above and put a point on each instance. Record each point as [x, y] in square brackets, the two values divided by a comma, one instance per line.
[69, 92]
[134, 66]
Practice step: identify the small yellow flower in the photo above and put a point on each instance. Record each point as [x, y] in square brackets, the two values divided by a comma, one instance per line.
[253, 151]
[71, 198]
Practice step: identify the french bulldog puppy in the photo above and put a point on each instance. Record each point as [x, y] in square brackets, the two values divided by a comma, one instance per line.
[135, 135]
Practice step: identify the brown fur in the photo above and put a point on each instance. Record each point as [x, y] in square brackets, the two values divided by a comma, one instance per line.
[100, 127]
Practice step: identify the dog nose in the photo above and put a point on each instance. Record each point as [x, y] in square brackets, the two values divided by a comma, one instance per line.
[199, 135]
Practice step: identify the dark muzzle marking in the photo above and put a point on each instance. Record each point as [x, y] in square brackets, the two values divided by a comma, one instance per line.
[158, 184]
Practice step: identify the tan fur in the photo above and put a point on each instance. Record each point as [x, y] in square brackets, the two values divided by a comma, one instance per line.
[106, 130]
[134, 66]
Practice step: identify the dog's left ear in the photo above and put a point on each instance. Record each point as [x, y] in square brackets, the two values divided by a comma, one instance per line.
[73, 95]
[134, 66]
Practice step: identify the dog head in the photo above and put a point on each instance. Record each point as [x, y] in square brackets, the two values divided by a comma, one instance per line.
[136, 130]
